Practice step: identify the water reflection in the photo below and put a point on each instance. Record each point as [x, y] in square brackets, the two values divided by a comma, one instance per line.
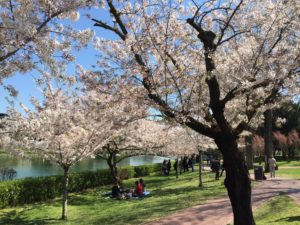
[39, 167]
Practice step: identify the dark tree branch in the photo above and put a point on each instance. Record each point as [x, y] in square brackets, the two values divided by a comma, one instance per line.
[99, 23]
[228, 22]
[117, 16]
[233, 36]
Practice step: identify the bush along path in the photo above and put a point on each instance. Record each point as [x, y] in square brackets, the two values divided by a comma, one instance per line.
[39, 189]
[219, 212]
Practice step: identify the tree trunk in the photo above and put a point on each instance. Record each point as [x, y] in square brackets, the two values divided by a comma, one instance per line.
[290, 154]
[268, 137]
[180, 165]
[237, 180]
[111, 161]
[249, 152]
[177, 166]
[65, 194]
[200, 169]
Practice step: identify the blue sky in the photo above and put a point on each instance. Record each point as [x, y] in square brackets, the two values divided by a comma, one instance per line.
[24, 83]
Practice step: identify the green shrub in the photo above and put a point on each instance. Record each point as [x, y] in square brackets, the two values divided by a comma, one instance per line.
[145, 170]
[126, 173]
[29, 190]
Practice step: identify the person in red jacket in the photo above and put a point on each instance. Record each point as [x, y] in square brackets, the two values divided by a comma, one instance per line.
[138, 191]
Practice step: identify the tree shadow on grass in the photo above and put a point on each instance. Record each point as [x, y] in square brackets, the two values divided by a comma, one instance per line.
[289, 219]
[80, 200]
[132, 217]
[18, 218]
[174, 191]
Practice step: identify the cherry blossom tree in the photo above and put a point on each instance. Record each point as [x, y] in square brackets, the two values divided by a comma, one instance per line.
[32, 34]
[189, 142]
[258, 144]
[212, 66]
[293, 141]
[140, 137]
[282, 142]
[68, 125]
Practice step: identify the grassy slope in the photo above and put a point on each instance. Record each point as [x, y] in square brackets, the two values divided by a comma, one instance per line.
[281, 210]
[168, 195]
[293, 173]
[286, 163]
[282, 163]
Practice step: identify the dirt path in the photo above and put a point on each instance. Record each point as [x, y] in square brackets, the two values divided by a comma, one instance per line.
[289, 167]
[218, 212]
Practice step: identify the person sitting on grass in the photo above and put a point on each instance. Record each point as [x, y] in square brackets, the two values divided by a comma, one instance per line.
[143, 184]
[116, 191]
[138, 191]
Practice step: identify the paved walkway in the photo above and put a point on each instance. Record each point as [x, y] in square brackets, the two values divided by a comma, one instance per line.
[218, 212]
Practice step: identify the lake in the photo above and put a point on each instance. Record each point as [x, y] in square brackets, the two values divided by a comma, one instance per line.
[39, 167]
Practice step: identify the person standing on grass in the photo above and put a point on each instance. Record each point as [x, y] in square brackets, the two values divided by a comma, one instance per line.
[164, 167]
[185, 164]
[191, 163]
[168, 167]
[272, 165]
[176, 166]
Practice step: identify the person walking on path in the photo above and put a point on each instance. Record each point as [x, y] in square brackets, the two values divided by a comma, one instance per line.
[215, 166]
[222, 168]
[272, 164]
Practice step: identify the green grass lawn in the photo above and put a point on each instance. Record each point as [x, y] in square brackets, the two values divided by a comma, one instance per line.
[286, 163]
[281, 210]
[282, 163]
[293, 173]
[168, 195]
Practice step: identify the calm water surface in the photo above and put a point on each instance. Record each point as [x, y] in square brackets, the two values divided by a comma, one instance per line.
[40, 167]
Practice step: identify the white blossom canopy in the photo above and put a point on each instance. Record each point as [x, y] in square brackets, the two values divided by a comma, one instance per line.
[247, 56]
[32, 33]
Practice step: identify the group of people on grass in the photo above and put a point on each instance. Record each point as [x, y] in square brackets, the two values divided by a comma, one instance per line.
[119, 193]
[217, 166]
[183, 165]
[187, 162]
[166, 167]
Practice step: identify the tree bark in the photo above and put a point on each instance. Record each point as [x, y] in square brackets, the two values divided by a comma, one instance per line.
[237, 181]
[268, 137]
[65, 194]
[177, 166]
[111, 161]
[249, 151]
[200, 169]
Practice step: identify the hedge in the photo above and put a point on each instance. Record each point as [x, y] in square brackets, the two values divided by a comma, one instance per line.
[29, 190]
[140, 171]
